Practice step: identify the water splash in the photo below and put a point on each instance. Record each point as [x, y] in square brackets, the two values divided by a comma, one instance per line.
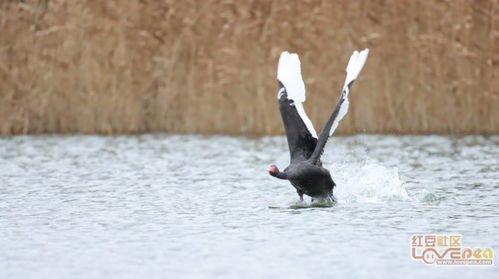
[368, 182]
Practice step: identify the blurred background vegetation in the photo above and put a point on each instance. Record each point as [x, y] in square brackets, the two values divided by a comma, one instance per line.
[136, 66]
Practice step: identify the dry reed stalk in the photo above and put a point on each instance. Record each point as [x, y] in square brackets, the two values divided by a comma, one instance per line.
[209, 66]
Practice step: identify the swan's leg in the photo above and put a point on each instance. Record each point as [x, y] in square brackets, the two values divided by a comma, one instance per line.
[331, 198]
[300, 193]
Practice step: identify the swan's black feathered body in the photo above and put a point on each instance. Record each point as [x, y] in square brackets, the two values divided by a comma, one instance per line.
[305, 171]
[307, 177]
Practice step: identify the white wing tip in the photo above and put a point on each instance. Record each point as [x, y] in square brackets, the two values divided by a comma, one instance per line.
[289, 74]
[355, 64]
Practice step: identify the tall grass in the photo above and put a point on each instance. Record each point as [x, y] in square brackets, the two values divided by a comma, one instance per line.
[209, 66]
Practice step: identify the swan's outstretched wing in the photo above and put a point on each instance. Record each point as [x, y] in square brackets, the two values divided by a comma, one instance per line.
[355, 64]
[300, 132]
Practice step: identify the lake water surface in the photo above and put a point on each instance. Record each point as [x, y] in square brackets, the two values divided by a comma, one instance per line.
[191, 206]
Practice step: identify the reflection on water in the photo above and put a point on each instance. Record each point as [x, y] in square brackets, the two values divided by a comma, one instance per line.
[185, 206]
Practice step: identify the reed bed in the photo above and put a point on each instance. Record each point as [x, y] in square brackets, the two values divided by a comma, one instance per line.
[209, 66]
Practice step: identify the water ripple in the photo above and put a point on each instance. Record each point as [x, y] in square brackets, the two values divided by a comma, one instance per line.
[193, 206]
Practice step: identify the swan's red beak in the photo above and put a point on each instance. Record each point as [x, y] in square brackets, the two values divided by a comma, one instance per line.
[272, 169]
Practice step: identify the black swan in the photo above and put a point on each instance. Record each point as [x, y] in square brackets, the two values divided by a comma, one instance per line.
[305, 171]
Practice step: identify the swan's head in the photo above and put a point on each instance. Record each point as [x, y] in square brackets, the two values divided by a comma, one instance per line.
[273, 170]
